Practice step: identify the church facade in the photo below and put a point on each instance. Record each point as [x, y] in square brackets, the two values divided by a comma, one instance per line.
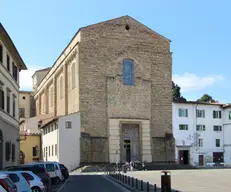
[118, 75]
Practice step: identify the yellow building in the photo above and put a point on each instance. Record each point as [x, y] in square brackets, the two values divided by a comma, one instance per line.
[30, 147]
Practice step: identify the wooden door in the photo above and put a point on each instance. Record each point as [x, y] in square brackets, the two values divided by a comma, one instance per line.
[201, 160]
[181, 157]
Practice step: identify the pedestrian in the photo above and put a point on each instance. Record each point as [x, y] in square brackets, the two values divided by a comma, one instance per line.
[143, 166]
[131, 166]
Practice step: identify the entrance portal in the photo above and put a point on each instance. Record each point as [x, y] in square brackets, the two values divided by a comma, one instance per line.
[201, 160]
[130, 143]
[127, 150]
[1, 150]
[184, 157]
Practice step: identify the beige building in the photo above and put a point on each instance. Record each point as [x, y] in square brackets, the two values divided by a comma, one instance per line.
[26, 105]
[118, 75]
[10, 65]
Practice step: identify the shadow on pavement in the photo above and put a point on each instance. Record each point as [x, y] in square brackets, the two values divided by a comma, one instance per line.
[90, 183]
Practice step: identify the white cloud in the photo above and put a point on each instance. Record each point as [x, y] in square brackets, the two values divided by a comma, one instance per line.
[25, 78]
[191, 82]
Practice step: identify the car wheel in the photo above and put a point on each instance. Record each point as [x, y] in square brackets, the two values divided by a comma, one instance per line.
[35, 189]
[63, 178]
[57, 180]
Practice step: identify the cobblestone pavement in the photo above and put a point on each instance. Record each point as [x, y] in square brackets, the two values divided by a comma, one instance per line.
[200, 180]
[94, 182]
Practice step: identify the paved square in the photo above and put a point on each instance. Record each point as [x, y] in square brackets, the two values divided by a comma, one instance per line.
[200, 180]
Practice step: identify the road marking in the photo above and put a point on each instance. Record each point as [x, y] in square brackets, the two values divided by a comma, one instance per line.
[116, 184]
[62, 186]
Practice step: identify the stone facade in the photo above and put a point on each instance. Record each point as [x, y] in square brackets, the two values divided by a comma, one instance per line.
[11, 64]
[100, 95]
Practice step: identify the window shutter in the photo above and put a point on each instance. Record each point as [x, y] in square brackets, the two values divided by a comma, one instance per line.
[34, 151]
[214, 114]
[219, 114]
[186, 112]
[179, 110]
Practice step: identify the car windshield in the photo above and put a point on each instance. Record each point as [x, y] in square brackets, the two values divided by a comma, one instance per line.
[50, 167]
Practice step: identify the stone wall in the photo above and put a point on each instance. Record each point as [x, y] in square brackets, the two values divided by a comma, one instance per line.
[91, 149]
[102, 48]
[163, 149]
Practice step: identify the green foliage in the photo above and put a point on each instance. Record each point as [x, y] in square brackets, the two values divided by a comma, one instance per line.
[176, 94]
[206, 98]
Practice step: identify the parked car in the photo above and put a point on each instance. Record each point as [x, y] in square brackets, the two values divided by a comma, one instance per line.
[21, 183]
[2, 189]
[64, 171]
[34, 181]
[37, 170]
[6, 184]
[53, 169]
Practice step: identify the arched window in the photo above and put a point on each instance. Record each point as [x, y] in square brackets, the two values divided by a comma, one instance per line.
[128, 72]
[61, 87]
[73, 75]
[51, 100]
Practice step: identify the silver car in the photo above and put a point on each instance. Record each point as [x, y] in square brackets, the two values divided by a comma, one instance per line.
[34, 181]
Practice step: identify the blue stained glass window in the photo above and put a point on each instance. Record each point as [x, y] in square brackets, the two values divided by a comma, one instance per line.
[128, 72]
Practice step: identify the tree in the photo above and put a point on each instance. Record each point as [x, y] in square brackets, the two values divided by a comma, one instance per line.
[176, 94]
[207, 98]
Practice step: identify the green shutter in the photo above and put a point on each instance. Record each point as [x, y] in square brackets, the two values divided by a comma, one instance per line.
[179, 112]
[214, 114]
[186, 110]
[219, 114]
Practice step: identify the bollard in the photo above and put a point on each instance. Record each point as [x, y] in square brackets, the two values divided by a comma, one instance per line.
[136, 183]
[155, 188]
[132, 182]
[166, 181]
[126, 179]
[129, 179]
[141, 185]
[147, 187]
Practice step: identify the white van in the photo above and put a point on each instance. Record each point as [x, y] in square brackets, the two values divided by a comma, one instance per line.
[53, 169]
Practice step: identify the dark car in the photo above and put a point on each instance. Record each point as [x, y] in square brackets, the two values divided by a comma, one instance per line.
[37, 170]
[64, 171]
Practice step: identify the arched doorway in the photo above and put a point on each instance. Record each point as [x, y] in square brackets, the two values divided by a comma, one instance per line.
[1, 150]
[22, 157]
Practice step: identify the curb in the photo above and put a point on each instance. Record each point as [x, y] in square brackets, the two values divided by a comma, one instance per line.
[79, 169]
[123, 184]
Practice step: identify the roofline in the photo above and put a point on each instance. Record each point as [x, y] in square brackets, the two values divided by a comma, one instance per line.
[20, 91]
[197, 103]
[79, 30]
[22, 65]
[40, 70]
[48, 123]
[227, 106]
[59, 56]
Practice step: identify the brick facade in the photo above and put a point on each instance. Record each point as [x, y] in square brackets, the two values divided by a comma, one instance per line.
[100, 94]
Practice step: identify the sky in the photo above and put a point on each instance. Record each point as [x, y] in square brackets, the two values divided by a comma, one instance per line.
[200, 32]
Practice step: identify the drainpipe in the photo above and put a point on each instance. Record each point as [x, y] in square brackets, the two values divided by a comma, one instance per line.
[197, 138]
